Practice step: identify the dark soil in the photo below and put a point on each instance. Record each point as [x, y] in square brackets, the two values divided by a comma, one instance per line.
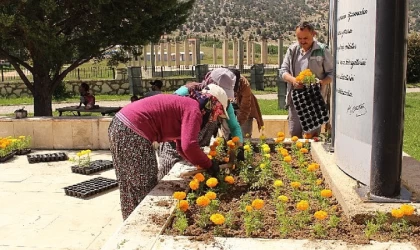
[232, 203]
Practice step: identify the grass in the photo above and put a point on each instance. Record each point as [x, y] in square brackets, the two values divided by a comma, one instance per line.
[413, 85]
[411, 125]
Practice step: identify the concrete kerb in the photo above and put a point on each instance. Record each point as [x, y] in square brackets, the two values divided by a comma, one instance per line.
[139, 232]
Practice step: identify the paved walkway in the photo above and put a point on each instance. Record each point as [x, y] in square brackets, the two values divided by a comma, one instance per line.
[36, 214]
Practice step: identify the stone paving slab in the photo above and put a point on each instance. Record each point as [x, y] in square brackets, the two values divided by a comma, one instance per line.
[36, 214]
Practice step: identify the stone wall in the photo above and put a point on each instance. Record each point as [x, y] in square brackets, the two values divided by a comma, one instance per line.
[110, 87]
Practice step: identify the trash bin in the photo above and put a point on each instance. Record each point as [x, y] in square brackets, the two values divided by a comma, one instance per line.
[257, 76]
[281, 91]
[134, 80]
[200, 71]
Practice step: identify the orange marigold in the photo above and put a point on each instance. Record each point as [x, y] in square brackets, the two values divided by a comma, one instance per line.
[229, 179]
[326, 193]
[304, 150]
[217, 219]
[213, 153]
[279, 139]
[194, 184]
[280, 134]
[257, 204]
[211, 195]
[295, 138]
[284, 152]
[215, 143]
[307, 136]
[179, 195]
[397, 213]
[213, 148]
[320, 215]
[235, 139]
[302, 205]
[299, 144]
[183, 205]
[199, 177]
[295, 184]
[226, 159]
[311, 168]
[203, 201]
[287, 159]
[212, 182]
[407, 209]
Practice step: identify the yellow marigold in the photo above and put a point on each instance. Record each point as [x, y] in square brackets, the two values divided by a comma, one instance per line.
[266, 149]
[295, 138]
[302, 205]
[283, 198]
[262, 165]
[299, 144]
[183, 205]
[194, 184]
[231, 144]
[212, 182]
[262, 128]
[316, 165]
[229, 179]
[407, 209]
[287, 159]
[320, 215]
[257, 204]
[203, 201]
[211, 195]
[304, 150]
[295, 184]
[279, 139]
[278, 183]
[318, 182]
[326, 193]
[284, 152]
[280, 134]
[199, 177]
[217, 219]
[262, 137]
[179, 195]
[248, 208]
[311, 168]
[247, 148]
[267, 156]
[235, 139]
[397, 213]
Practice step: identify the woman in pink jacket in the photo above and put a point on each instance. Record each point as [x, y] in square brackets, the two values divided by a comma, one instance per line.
[160, 118]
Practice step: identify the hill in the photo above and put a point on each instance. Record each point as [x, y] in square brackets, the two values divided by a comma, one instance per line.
[256, 19]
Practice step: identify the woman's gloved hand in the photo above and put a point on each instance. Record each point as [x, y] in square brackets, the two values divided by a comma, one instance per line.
[240, 155]
[214, 169]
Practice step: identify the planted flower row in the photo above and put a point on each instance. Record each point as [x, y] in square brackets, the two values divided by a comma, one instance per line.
[269, 195]
[10, 145]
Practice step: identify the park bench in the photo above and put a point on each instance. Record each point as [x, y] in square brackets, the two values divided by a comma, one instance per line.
[102, 110]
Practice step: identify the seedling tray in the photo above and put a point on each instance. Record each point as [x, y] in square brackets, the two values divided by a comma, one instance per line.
[90, 187]
[24, 151]
[95, 166]
[7, 157]
[310, 107]
[61, 156]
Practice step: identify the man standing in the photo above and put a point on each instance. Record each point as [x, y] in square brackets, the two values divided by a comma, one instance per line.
[306, 53]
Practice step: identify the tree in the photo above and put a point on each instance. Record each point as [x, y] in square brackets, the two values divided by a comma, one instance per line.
[43, 35]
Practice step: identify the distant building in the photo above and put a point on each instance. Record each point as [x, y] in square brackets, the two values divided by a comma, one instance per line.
[181, 56]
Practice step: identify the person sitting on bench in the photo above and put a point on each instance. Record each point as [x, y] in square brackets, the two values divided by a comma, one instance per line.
[86, 98]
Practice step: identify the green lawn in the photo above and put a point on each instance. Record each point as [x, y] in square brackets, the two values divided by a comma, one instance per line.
[411, 125]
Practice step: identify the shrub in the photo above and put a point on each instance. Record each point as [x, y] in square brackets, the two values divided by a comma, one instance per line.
[413, 58]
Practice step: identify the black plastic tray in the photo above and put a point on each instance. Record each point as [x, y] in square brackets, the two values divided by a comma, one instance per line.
[310, 107]
[7, 157]
[60, 156]
[95, 166]
[90, 187]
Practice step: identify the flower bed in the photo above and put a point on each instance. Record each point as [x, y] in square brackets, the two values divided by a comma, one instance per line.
[275, 195]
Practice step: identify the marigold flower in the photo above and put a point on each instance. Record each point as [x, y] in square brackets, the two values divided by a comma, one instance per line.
[284, 152]
[212, 182]
[216, 143]
[199, 177]
[407, 209]
[211, 195]
[203, 201]
[283, 198]
[299, 144]
[280, 134]
[266, 149]
[307, 136]
[247, 135]
[213, 153]
[210, 157]
[304, 150]
[302, 205]
[248, 208]
[213, 148]
[326, 193]
[257, 204]
[318, 182]
[279, 139]
[262, 128]
[262, 137]
[397, 213]
[320, 215]
[194, 184]
[287, 159]
[226, 159]
[179, 195]
[229, 179]
[262, 165]
[183, 205]
[267, 156]
[235, 139]
[231, 144]
[311, 168]
[247, 148]
[295, 138]
[217, 219]
[278, 183]
[316, 165]
[295, 184]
